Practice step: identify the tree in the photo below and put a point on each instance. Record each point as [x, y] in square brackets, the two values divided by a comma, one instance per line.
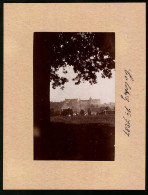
[107, 108]
[89, 111]
[87, 53]
[67, 112]
[82, 112]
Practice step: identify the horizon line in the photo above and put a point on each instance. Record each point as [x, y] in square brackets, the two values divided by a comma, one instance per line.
[81, 99]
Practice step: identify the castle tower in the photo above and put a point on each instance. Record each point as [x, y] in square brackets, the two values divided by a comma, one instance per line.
[90, 100]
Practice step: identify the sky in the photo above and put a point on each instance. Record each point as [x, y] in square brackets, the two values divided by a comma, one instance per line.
[103, 90]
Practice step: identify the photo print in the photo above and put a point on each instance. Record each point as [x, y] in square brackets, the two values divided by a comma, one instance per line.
[74, 96]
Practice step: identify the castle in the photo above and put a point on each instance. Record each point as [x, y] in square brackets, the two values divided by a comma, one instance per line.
[94, 105]
[77, 104]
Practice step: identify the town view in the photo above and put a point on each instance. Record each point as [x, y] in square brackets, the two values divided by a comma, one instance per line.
[80, 111]
[74, 96]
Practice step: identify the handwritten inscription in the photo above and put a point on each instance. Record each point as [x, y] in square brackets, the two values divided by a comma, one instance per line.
[126, 97]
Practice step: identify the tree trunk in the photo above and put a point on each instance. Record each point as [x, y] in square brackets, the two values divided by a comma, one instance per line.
[41, 76]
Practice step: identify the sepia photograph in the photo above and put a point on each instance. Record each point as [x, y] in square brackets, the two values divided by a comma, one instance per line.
[74, 96]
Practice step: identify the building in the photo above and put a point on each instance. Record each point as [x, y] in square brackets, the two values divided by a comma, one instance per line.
[77, 104]
[94, 101]
[109, 112]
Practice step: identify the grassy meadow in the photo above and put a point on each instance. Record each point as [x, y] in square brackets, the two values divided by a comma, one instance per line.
[90, 138]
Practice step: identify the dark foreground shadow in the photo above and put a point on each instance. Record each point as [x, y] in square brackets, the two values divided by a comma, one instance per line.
[60, 141]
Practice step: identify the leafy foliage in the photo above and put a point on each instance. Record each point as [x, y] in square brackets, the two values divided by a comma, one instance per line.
[89, 111]
[82, 112]
[87, 53]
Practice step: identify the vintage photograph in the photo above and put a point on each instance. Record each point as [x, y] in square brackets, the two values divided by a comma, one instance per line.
[74, 96]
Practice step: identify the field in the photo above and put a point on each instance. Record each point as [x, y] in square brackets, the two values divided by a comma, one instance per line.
[82, 139]
[98, 119]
